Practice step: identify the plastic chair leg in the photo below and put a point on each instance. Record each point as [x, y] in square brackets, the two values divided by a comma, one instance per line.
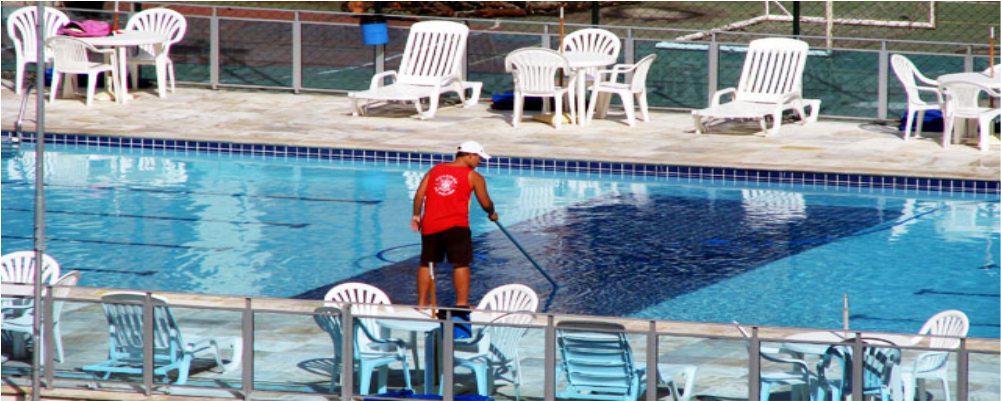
[627, 103]
[921, 124]
[644, 107]
[56, 77]
[519, 108]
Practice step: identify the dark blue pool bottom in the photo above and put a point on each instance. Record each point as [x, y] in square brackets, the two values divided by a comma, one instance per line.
[630, 256]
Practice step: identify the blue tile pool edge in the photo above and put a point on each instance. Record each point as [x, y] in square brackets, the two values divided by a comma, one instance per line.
[598, 167]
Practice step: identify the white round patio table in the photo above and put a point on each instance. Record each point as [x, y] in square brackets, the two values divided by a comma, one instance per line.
[393, 320]
[579, 62]
[121, 42]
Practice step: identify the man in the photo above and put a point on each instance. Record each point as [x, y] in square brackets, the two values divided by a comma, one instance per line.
[444, 196]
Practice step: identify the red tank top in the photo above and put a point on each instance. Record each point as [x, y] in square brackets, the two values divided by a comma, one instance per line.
[446, 199]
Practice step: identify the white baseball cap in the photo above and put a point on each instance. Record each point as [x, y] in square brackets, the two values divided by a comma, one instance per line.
[475, 148]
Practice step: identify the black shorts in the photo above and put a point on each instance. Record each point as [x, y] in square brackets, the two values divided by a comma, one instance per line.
[456, 243]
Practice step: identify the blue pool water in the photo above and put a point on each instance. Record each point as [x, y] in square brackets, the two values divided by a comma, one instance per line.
[678, 249]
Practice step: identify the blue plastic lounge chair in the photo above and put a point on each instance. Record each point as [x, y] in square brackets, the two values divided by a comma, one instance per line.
[329, 319]
[124, 312]
[877, 369]
[597, 362]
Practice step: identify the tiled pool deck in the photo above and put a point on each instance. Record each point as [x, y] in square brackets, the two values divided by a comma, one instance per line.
[322, 120]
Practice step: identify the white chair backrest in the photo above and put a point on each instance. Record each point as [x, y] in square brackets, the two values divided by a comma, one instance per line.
[435, 49]
[638, 80]
[62, 289]
[510, 298]
[365, 299]
[504, 339]
[962, 99]
[71, 55]
[536, 69]
[19, 267]
[906, 72]
[21, 30]
[162, 20]
[952, 323]
[593, 40]
[773, 68]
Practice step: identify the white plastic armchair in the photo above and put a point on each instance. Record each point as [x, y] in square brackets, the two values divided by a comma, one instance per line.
[798, 375]
[71, 56]
[633, 85]
[592, 40]
[162, 20]
[945, 328]
[25, 322]
[770, 83]
[431, 65]
[536, 71]
[21, 30]
[910, 77]
[962, 100]
[19, 267]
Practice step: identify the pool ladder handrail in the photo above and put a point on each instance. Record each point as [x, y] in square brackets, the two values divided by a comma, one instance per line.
[19, 123]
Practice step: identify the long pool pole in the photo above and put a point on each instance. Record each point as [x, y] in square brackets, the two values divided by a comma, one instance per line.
[524, 252]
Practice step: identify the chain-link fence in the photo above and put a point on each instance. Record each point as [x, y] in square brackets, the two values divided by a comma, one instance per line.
[316, 46]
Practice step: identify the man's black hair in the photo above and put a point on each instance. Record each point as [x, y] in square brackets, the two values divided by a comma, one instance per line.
[461, 154]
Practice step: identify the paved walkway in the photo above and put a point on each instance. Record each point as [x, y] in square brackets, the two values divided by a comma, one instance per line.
[325, 120]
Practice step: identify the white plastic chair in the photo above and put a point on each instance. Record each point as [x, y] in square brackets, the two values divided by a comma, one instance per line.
[431, 65]
[21, 30]
[167, 22]
[71, 56]
[536, 71]
[506, 298]
[19, 268]
[365, 360]
[366, 300]
[24, 323]
[962, 100]
[909, 76]
[634, 85]
[592, 40]
[932, 365]
[770, 83]
[798, 377]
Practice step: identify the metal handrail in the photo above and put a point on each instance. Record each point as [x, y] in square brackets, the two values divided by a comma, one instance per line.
[19, 123]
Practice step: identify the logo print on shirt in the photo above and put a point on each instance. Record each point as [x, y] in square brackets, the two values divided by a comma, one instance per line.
[445, 185]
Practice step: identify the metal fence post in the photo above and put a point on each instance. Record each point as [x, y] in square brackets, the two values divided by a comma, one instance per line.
[347, 353]
[651, 363]
[148, 323]
[214, 49]
[547, 42]
[630, 47]
[549, 387]
[247, 328]
[883, 89]
[48, 325]
[857, 356]
[713, 68]
[963, 372]
[968, 59]
[754, 362]
[447, 360]
[296, 54]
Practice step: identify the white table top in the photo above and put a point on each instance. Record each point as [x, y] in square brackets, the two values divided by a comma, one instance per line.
[127, 38]
[588, 59]
[830, 337]
[393, 320]
[978, 78]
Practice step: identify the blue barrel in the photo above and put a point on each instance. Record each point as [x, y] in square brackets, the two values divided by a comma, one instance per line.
[374, 33]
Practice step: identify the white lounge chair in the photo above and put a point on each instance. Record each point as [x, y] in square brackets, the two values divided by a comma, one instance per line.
[21, 30]
[72, 57]
[932, 365]
[167, 22]
[633, 85]
[536, 71]
[431, 65]
[909, 76]
[770, 83]
[962, 100]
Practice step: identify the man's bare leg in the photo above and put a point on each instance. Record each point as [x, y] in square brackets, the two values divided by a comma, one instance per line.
[460, 279]
[423, 283]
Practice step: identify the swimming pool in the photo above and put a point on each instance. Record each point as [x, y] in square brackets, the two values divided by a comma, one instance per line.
[617, 244]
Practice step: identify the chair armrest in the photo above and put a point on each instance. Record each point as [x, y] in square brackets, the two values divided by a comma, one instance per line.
[929, 355]
[793, 361]
[936, 91]
[925, 79]
[720, 93]
[378, 80]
